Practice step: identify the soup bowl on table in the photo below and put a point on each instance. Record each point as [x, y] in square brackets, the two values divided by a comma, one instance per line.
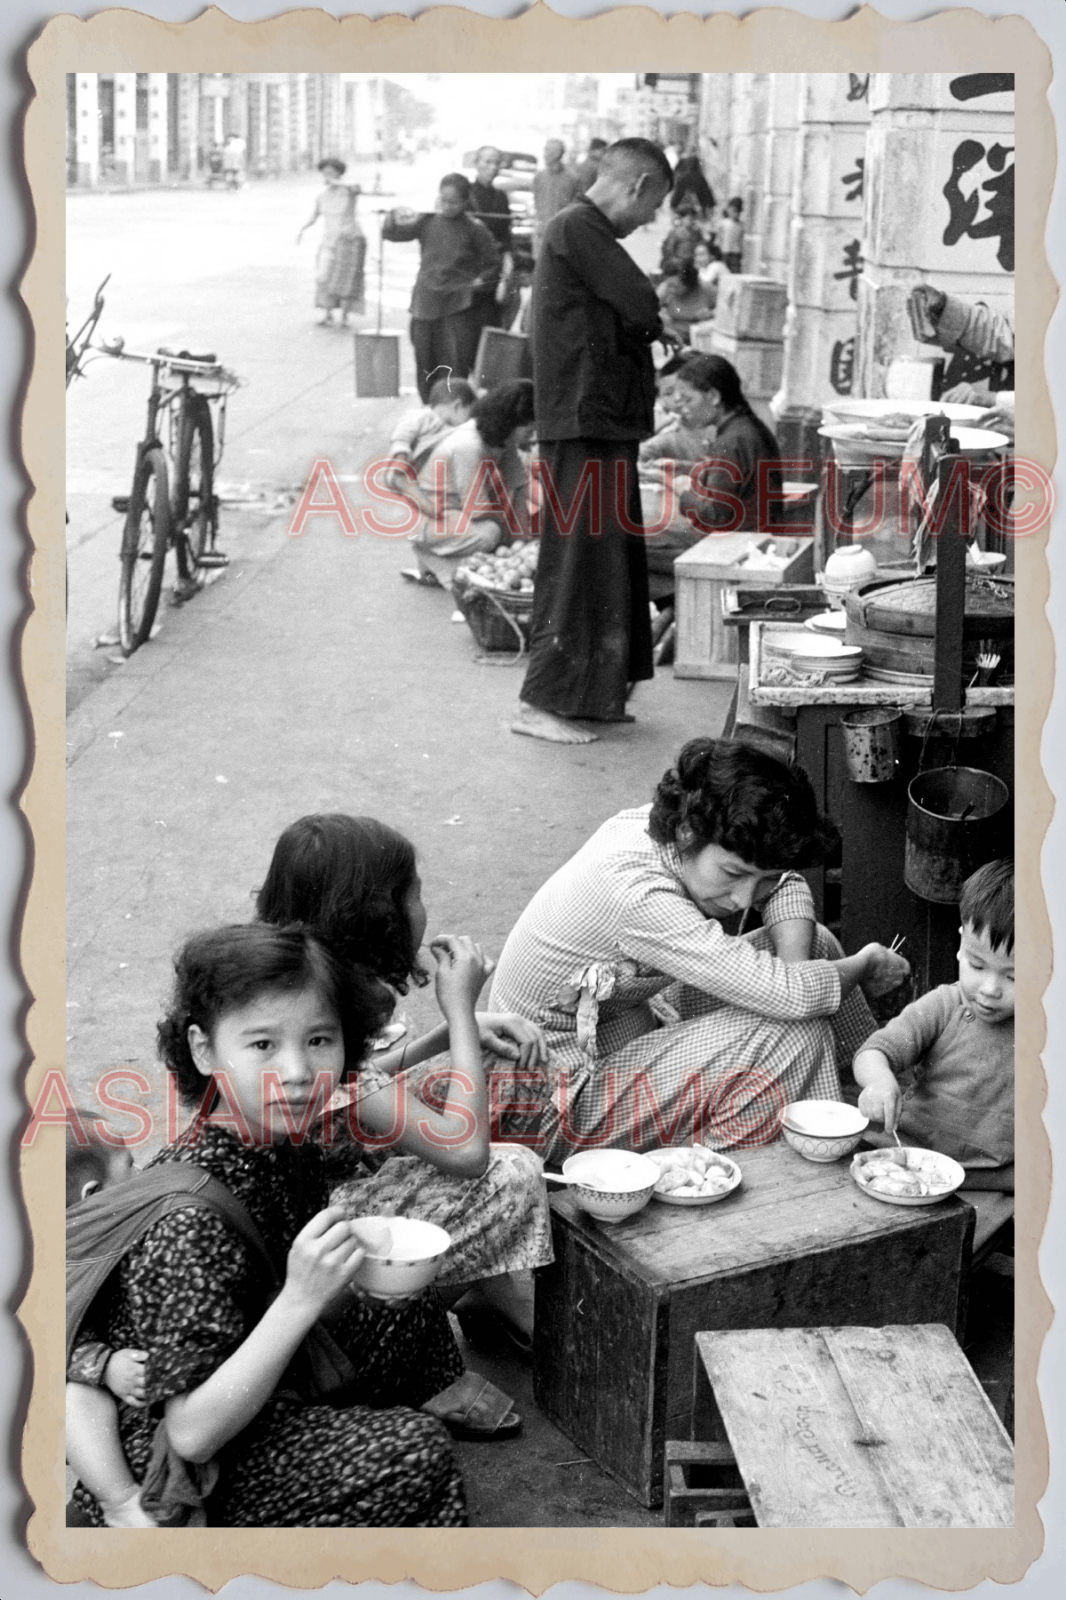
[823, 1130]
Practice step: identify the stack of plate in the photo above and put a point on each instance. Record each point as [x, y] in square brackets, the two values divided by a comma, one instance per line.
[810, 652]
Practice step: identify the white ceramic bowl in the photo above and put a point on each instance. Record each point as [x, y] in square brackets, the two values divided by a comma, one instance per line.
[405, 1262]
[949, 1175]
[625, 1182]
[823, 1130]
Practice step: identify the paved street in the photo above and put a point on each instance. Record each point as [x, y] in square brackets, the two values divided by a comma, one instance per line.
[306, 678]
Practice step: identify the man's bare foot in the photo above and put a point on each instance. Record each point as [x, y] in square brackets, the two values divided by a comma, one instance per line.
[543, 725]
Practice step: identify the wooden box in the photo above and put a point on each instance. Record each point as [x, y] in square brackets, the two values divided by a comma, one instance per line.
[705, 647]
[797, 1244]
[751, 308]
[759, 362]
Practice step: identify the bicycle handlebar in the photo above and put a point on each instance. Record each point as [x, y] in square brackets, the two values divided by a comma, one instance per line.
[173, 363]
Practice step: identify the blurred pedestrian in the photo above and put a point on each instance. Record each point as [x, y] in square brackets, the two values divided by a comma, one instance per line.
[595, 318]
[731, 234]
[691, 189]
[554, 187]
[492, 207]
[340, 283]
[586, 172]
[459, 261]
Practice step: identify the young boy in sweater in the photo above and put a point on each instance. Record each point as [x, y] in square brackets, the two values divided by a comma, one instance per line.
[942, 1072]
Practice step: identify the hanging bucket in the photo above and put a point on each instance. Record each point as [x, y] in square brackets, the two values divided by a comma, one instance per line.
[953, 827]
[377, 366]
[501, 357]
[871, 743]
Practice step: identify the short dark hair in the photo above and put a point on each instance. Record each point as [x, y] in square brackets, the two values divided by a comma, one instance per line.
[597, 144]
[335, 162]
[724, 792]
[224, 968]
[445, 390]
[503, 409]
[456, 181]
[987, 904]
[638, 155]
[347, 878]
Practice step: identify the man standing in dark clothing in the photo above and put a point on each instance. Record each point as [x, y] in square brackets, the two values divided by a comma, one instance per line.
[459, 260]
[595, 318]
[492, 207]
[587, 171]
[554, 187]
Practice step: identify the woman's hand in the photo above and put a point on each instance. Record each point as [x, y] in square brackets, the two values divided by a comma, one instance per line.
[462, 967]
[322, 1261]
[124, 1375]
[883, 970]
[882, 1103]
[513, 1037]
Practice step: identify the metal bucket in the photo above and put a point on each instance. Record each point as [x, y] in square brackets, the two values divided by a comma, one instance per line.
[501, 356]
[377, 366]
[953, 827]
[871, 743]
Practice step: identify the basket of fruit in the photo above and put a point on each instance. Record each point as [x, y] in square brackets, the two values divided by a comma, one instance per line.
[495, 595]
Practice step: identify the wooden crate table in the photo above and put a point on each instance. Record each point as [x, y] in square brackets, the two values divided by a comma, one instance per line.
[855, 1427]
[705, 648]
[797, 1244]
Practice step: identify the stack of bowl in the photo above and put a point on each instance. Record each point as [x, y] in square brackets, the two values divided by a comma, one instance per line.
[806, 651]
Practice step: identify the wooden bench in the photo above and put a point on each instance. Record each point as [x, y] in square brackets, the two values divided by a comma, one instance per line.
[796, 1244]
[852, 1427]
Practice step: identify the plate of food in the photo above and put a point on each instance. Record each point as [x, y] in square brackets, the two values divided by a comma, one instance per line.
[906, 1177]
[690, 1175]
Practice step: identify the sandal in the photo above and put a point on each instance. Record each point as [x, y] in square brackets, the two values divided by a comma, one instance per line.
[494, 1334]
[473, 1408]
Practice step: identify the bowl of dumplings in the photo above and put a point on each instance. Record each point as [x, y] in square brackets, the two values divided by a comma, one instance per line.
[690, 1175]
[907, 1177]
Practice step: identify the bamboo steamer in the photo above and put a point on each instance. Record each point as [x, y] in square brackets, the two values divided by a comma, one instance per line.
[894, 622]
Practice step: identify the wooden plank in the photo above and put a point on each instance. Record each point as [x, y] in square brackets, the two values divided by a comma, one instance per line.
[793, 1431]
[940, 1451]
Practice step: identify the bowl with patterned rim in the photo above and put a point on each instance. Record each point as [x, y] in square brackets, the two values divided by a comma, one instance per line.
[823, 1130]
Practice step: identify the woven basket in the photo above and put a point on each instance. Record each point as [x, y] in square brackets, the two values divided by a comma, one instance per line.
[499, 619]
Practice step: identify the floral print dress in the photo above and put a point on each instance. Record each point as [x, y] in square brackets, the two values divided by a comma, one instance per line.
[189, 1294]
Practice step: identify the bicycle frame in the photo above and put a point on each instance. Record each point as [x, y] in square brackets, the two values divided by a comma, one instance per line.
[161, 398]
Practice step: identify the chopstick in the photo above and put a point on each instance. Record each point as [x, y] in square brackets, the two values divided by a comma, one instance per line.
[898, 942]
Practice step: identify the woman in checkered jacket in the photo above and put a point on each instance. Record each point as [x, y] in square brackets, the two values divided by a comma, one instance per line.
[661, 1026]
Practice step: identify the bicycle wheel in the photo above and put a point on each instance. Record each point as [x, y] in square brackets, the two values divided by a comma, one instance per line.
[144, 551]
[194, 509]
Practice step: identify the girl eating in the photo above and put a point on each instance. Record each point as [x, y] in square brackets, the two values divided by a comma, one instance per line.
[260, 1017]
[356, 883]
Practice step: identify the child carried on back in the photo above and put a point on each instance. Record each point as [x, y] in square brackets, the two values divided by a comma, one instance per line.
[954, 1048]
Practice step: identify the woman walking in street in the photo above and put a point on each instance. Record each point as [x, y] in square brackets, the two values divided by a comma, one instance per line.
[341, 259]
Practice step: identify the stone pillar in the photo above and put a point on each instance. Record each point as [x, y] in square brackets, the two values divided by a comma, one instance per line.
[87, 113]
[188, 122]
[157, 127]
[753, 192]
[125, 125]
[779, 167]
[939, 208]
[236, 106]
[742, 147]
[826, 250]
[713, 131]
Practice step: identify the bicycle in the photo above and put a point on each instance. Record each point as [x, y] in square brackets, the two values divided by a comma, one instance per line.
[158, 519]
[77, 346]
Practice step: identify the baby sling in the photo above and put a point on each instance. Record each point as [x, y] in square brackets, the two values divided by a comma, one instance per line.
[101, 1230]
